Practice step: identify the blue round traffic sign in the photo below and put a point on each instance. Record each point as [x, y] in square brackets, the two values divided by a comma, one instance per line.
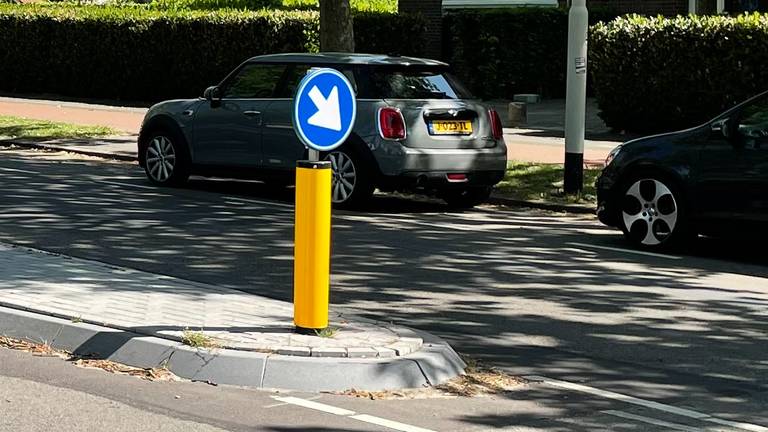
[324, 109]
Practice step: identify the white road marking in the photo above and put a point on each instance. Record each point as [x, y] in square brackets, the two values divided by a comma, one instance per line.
[128, 185]
[653, 421]
[286, 403]
[253, 201]
[317, 406]
[390, 424]
[739, 425]
[657, 255]
[18, 170]
[646, 403]
[239, 200]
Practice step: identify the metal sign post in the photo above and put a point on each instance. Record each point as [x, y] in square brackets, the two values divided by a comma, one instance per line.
[576, 98]
[324, 113]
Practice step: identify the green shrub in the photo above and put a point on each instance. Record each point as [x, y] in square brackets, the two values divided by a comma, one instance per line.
[658, 74]
[181, 5]
[133, 53]
[389, 33]
[357, 5]
[501, 52]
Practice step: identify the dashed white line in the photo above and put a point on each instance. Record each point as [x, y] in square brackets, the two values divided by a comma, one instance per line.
[286, 403]
[653, 421]
[637, 252]
[18, 170]
[738, 425]
[230, 198]
[253, 201]
[390, 424]
[646, 403]
[128, 185]
[317, 406]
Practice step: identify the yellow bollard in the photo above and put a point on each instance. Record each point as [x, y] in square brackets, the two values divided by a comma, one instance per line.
[312, 261]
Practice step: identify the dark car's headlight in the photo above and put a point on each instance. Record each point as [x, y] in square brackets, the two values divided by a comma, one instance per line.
[612, 155]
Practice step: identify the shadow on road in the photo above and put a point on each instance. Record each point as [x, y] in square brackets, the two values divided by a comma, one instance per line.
[505, 286]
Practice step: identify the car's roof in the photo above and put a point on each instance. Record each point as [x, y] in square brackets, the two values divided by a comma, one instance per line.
[345, 58]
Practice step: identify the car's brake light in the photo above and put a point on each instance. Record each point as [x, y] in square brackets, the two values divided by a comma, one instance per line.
[456, 177]
[391, 124]
[496, 128]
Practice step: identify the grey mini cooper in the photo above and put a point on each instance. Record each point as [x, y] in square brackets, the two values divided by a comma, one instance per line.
[417, 129]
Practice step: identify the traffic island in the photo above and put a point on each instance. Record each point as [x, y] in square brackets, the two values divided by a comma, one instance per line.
[204, 332]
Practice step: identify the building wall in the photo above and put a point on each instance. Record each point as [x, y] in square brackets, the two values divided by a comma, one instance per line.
[653, 7]
[669, 7]
[432, 11]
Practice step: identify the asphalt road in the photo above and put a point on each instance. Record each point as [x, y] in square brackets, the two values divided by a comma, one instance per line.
[534, 293]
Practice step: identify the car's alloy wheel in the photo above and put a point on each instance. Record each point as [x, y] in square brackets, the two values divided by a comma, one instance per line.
[344, 176]
[650, 212]
[161, 159]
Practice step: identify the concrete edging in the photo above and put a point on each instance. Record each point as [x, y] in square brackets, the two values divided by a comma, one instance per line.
[55, 147]
[435, 363]
[541, 205]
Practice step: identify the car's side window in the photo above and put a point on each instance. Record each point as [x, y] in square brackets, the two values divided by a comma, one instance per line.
[292, 79]
[753, 124]
[297, 72]
[254, 81]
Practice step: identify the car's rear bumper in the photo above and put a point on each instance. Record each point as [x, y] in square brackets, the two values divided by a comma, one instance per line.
[438, 180]
[395, 159]
[428, 168]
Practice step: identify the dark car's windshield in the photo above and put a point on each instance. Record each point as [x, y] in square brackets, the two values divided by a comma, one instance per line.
[413, 83]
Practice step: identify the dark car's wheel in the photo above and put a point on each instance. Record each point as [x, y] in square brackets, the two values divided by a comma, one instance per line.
[652, 213]
[352, 178]
[166, 160]
[468, 197]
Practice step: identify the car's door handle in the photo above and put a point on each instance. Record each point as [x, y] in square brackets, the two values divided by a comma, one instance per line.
[252, 113]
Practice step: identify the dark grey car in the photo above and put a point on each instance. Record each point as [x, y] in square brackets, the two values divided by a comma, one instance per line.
[417, 129]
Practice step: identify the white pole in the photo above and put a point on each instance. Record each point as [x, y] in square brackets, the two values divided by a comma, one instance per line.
[720, 6]
[692, 6]
[576, 97]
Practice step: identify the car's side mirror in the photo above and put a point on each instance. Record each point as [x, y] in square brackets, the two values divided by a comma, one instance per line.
[212, 94]
[722, 127]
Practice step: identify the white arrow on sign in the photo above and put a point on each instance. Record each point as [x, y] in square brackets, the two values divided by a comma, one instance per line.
[328, 115]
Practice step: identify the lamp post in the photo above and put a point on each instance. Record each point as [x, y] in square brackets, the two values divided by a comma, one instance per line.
[576, 98]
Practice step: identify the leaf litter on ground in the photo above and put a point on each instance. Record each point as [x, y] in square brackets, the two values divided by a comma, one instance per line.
[478, 380]
[45, 350]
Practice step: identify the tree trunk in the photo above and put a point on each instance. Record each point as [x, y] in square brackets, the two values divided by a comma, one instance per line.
[336, 33]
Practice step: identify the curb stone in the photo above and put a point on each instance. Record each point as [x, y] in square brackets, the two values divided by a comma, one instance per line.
[567, 208]
[435, 363]
[56, 147]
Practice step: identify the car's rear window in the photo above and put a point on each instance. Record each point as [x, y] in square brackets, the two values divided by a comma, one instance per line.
[413, 83]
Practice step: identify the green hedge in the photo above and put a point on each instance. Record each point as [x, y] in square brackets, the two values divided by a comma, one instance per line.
[389, 33]
[501, 52]
[658, 74]
[144, 55]
[357, 5]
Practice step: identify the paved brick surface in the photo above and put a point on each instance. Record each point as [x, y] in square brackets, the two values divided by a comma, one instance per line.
[163, 306]
[124, 119]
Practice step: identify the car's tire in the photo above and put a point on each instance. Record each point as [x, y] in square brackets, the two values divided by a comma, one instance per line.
[352, 181]
[166, 158]
[467, 197]
[652, 212]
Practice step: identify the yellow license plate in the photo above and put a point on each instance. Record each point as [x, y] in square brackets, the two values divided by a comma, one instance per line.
[451, 127]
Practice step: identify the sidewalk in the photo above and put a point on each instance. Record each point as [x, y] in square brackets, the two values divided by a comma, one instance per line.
[137, 318]
[540, 141]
